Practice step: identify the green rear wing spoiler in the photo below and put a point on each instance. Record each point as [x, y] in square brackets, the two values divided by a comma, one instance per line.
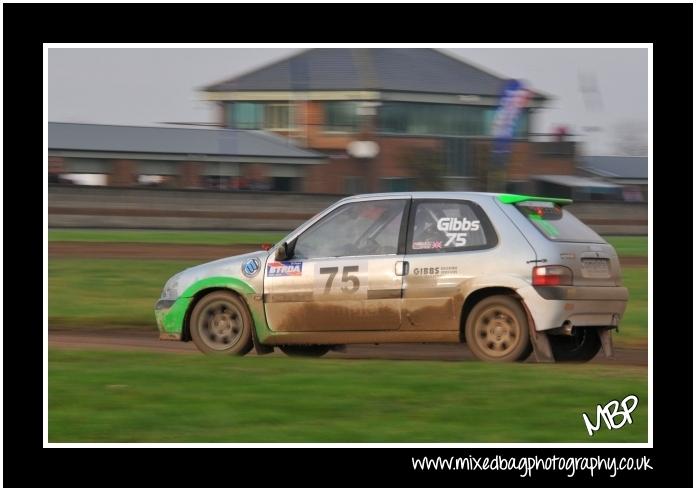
[511, 199]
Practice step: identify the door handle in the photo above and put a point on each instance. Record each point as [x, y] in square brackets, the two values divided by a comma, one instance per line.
[401, 268]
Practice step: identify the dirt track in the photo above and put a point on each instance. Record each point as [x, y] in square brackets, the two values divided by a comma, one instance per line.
[125, 250]
[137, 339]
[142, 340]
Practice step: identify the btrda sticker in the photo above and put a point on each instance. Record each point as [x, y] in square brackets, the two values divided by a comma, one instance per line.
[456, 229]
[284, 268]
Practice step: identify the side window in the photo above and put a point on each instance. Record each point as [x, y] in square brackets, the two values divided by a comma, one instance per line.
[446, 226]
[366, 228]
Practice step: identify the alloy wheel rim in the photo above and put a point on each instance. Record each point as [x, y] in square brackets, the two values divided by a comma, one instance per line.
[220, 325]
[497, 332]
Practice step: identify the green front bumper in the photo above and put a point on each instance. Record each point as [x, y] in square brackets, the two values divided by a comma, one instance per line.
[170, 316]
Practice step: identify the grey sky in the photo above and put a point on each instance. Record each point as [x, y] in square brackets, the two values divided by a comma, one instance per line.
[146, 86]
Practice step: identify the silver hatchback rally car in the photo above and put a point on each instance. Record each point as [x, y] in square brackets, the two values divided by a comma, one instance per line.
[505, 274]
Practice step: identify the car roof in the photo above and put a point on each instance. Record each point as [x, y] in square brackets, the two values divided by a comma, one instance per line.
[503, 197]
[425, 194]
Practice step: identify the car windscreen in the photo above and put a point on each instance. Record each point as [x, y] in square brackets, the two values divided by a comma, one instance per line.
[556, 223]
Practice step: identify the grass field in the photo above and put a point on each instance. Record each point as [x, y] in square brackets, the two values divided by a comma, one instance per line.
[107, 292]
[628, 245]
[149, 397]
[625, 246]
[633, 330]
[122, 292]
[202, 237]
[143, 397]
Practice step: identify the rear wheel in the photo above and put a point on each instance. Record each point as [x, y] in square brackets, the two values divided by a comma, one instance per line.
[221, 324]
[497, 330]
[310, 350]
[582, 345]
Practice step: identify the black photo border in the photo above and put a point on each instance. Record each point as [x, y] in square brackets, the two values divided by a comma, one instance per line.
[27, 26]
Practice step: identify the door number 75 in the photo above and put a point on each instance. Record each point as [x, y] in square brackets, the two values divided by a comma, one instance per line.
[346, 277]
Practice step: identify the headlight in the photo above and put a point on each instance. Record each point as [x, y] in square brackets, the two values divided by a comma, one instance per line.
[171, 288]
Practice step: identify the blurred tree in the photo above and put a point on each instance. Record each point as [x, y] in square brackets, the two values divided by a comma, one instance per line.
[630, 138]
[427, 167]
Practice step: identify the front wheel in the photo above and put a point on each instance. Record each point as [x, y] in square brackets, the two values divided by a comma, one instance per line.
[497, 330]
[581, 346]
[221, 324]
[314, 350]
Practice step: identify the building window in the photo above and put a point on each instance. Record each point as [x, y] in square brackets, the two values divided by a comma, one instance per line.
[522, 127]
[259, 115]
[431, 119]
[458, 157]
[277, 117]
[395, 184]
[341, 116]
[246, 115]
[286, 184]
[216, 182]
[354, 185]
[413, 118]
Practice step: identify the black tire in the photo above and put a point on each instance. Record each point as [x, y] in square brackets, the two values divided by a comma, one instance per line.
[581, 346]
[221, 324]
[309, 350]
[497, 330]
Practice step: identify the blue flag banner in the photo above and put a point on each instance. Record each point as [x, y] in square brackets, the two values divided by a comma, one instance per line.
[513, 99]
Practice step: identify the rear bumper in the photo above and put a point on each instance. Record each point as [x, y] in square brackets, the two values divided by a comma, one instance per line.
[583, 292]
[551, 307]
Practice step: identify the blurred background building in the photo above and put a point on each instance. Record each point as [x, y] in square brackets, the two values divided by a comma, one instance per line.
[177, 157]
[296, 134]
[389, 119]
[631, 173]
[346, 121]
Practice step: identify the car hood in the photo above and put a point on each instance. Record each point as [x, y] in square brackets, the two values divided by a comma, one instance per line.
[230, 267]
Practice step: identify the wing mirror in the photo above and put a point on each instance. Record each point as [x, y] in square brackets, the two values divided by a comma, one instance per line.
[285, 251]
[282, 252]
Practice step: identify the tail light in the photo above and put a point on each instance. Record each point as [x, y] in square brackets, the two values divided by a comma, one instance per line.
[551, 276]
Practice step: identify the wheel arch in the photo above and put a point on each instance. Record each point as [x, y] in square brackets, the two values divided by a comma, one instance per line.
[186, 327]
[475, 297]
[201, 288]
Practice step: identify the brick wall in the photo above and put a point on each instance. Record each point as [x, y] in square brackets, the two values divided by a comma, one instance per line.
[312, 114]
[331, 177]
[190, 175]
[123, 173]
[55, 165]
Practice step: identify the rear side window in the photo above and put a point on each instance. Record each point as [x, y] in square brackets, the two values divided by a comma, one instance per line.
[448, 226]
[556, 223]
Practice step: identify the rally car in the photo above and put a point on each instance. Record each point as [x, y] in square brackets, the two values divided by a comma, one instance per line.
[505, 274]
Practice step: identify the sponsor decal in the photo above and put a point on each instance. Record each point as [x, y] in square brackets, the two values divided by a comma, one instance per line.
[456, 229]
[251, 267]
[454, 224]
[435, 270]
[427, 244]
[284, 268]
